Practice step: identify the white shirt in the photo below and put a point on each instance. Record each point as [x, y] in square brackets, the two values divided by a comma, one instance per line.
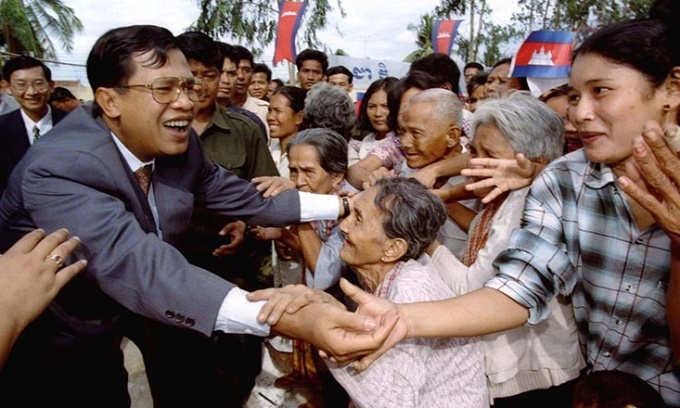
[44, 124]
[237, 314]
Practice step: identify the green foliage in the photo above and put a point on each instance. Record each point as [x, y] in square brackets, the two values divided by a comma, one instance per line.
[253, 22]
[29, 26]
[423, 32]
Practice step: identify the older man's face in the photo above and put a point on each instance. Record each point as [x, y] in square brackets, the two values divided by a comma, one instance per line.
[425, 139]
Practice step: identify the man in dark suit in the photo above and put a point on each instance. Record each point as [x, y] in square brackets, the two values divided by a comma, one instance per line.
[92, 176]
[30, 82]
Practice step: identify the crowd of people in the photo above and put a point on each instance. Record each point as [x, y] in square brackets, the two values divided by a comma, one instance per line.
[430, 247]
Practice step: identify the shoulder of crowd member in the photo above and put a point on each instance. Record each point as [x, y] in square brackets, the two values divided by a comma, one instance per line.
[241, 123]
[249, 116]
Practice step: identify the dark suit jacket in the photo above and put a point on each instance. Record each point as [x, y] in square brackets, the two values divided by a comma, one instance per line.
[14, 141]
[77, 179]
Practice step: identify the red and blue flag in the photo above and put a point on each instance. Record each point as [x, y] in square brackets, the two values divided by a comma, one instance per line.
[544, 54]
[443, 33]
[290, 14]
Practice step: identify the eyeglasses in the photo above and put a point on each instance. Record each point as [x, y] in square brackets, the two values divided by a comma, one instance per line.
[167, 89]
[39, 85]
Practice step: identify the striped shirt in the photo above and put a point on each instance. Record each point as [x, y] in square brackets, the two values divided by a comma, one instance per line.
[579, 237]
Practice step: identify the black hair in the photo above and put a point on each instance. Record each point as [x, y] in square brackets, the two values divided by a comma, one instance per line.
[340, 69]
[202, 48]
[262, 68]
[242, 53]
[295, 95]
[111, 63]
[24, 62]
[310, 54]
[384, 84]
[440, 66]
[473, 65]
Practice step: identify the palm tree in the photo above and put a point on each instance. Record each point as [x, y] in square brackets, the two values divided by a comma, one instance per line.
[29, 26]
[423, 37]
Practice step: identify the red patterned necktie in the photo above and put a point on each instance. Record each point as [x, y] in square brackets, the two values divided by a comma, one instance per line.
[143, 175]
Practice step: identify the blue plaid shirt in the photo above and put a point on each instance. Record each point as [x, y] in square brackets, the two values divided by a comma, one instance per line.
[578, 238]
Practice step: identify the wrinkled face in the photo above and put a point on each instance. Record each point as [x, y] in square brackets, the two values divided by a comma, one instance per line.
[489, 142]
[363, 232]
[500, 82]
[211, 77]
[341, 81]
[259, 85]
[31, 90]
[282, 120]
[244, 71]
[560, 104]
[377, 111]
[424, 138]
[227, 79]
[470, 73]
[609, 105]
[310, 73]
[148, 128]
[478, 95]
[306, 171]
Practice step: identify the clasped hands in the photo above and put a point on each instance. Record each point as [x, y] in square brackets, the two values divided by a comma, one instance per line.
[298, 311]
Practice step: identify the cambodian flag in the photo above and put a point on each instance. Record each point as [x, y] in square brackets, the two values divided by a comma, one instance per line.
[544, 54]
[443, 33]
[290, 14]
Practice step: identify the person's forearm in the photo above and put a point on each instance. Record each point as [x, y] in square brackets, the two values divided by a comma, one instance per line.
[451, 167]
[9, 333]
[310, 245]
[461, 215]
[358, 173]
[673, 301]
[483, 311]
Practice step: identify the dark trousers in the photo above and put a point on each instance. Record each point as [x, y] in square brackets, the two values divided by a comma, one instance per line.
[187, 369]
[54, 365]
[560, 396]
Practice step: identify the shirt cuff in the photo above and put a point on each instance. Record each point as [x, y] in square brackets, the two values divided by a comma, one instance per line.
[238, 315]
[315, 207]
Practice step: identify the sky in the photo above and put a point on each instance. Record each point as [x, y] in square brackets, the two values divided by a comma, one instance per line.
[372, 28]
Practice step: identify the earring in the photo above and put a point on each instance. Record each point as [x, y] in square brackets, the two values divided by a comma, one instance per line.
[667, 111]
[382, 259]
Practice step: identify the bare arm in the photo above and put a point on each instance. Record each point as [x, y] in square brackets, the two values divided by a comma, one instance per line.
[310, 244]
[429, 174]
[359, 173]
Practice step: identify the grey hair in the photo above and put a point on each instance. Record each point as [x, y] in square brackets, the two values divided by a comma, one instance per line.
[330, 107]
[445, 104]
[529, 125]
[411, 212]
[330, 146]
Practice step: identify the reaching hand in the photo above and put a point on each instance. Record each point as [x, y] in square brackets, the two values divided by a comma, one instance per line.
[32, 272]
[271, 186]
[382, 311]
[236, 230]
[501, 174]
[655, 183]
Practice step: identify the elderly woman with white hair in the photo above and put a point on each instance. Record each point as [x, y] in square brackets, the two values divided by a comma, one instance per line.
[528, 357]
[389, 228]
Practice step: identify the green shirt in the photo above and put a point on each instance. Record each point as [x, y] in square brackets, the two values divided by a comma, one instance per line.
[234, 142]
